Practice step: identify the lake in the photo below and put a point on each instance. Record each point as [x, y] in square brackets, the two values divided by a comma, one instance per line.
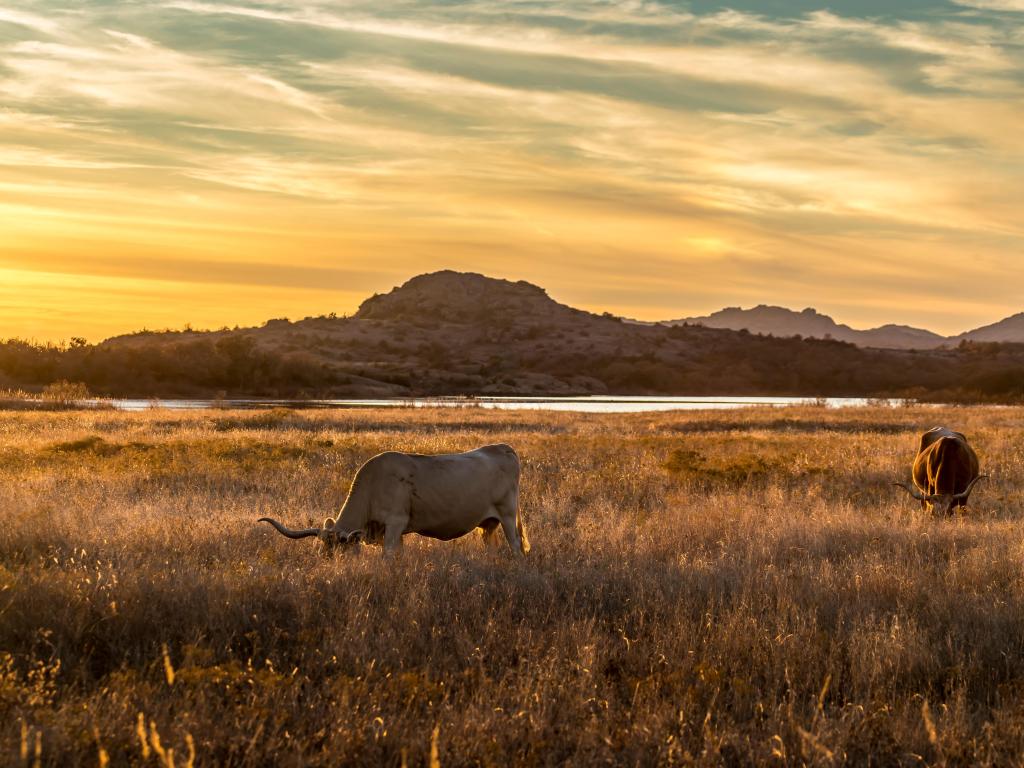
[589, 404]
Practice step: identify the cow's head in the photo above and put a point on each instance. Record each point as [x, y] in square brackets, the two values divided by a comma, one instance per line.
[940, 503]
[332, 539]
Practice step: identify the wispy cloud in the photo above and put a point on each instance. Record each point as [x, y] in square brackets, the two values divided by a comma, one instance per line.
[30, 21]
[530, 138]
[993, 5]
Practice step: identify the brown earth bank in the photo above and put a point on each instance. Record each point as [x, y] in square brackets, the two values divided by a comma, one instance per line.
[450, 333]
[714, 588]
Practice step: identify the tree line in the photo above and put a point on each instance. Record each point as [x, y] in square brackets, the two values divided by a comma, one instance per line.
[713, 363]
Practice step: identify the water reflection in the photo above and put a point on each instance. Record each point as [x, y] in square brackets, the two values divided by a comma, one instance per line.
[590, 404]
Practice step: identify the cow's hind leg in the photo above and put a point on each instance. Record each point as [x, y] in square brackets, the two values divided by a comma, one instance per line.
[511, 525]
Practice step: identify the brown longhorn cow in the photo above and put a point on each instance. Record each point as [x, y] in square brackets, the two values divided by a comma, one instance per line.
[945, 471]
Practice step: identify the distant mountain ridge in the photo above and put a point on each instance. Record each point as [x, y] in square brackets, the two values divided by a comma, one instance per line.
[1008, 330]
[809, 323]
[451, 333]
[448, 296]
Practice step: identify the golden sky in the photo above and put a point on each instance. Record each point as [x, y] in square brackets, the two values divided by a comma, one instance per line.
[218, 163]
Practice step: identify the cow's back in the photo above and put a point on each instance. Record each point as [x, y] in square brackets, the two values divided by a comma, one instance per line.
[947, 465]
[483, 475]
[935, 434]
[451, 494]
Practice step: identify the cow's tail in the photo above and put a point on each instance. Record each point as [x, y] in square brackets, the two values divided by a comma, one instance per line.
[524, 543]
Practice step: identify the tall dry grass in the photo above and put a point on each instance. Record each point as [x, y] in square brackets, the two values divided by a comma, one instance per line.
[710, 588]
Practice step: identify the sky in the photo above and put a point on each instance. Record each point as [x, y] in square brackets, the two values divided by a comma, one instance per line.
[222, 163]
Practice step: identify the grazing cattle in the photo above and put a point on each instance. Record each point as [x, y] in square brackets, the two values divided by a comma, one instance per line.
[442, 497]
[945, 471]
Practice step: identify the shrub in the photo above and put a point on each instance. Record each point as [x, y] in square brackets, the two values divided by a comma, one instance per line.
[66, 392]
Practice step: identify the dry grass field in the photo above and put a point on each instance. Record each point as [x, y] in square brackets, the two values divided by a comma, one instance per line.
[717, 588]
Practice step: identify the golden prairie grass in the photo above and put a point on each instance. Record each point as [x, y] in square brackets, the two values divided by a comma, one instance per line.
[719, 588]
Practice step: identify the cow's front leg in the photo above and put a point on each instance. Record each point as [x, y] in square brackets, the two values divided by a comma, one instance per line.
[393, 537]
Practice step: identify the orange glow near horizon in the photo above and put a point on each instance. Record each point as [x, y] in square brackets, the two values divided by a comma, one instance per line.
[212, 165]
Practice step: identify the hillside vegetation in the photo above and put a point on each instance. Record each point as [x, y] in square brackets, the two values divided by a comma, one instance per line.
[462, 334]
[719, 588]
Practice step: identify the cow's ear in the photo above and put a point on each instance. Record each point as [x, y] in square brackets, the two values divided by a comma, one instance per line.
[354, 538]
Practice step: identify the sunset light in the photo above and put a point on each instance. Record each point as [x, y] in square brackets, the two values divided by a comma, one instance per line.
[221, 164]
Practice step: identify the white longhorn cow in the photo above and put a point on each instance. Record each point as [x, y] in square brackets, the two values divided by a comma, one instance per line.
[442, 496]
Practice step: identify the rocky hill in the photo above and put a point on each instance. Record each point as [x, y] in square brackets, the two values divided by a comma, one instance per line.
[460, 297]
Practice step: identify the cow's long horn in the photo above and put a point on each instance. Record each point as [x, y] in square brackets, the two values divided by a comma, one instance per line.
[290, 532]
[911, 490]
[967, 491]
